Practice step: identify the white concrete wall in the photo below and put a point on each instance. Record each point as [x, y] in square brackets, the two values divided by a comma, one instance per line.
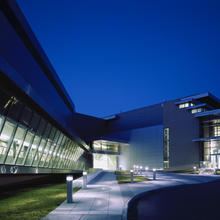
[79, 182]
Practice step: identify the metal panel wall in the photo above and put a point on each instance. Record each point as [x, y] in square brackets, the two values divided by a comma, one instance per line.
[139, 118]
[145, 149]
[183, 128]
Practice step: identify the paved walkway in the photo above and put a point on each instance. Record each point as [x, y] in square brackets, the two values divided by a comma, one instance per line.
[106, 199]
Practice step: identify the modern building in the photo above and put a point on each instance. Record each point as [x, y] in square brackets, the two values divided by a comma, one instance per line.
[41, 132]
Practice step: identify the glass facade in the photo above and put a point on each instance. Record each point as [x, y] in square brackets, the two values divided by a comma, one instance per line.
[108, 146]
[166, 147]
[105, 161]
[28, 139]
[211, 129]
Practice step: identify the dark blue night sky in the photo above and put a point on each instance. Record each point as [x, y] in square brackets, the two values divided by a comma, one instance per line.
[116, 56]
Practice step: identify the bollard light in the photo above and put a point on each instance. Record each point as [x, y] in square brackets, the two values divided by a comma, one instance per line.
[69, 183]
[141, 170]
[194, 170]
[154, 174]
[84, 179]
[69, 178]
[132, 176]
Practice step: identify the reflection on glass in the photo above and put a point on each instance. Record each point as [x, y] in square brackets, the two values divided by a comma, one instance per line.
[55, 152]
[39, 152]
[103, 145]
[59, 152]
[28, 139]
[5, 139]
[65, 154]
[32, 151]
[24, 149]
[45, 151]
[52, 149]
[16, 145]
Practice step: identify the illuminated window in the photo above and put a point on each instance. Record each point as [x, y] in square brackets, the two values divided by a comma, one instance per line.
[184, 105]
[197, 110]
[102, 145]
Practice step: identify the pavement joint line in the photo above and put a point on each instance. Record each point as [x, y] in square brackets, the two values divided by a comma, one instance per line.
[116, 196]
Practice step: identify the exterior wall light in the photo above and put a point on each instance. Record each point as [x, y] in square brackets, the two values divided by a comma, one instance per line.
[146, 168]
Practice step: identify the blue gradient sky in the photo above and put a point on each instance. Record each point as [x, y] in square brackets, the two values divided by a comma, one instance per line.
[116, 56]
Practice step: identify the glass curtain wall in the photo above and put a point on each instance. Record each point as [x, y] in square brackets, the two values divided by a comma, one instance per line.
[211, 129]
[28, 139]
[108, 146]
[166, 147]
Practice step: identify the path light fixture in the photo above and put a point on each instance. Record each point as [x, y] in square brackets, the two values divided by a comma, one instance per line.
[141, 170]
[84, 179]
[154, 174]
[132, 176]
[194, 170]
[69, 183]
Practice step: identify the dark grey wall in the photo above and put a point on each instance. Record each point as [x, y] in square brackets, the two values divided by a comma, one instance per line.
[145, 148]
[92, 128]
[88, 127]
[123, 136]
[184, 153]
[138, 118]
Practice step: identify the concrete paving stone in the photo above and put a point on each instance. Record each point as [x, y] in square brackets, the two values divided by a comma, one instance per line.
[100, 204]
[115, 212]
[114, 217]
[95, 217]
[62, 217]
[75, 212]
[98, 212]
[106, 199]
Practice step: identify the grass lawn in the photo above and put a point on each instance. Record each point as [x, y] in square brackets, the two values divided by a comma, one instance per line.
[124, 172]
[33, 204]
[124, 177]
[91, 170]
[185, 171]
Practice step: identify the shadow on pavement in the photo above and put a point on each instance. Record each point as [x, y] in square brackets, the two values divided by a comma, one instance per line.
[188, 202]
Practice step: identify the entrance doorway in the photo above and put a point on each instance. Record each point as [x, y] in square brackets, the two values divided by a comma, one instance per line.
[215, 160]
